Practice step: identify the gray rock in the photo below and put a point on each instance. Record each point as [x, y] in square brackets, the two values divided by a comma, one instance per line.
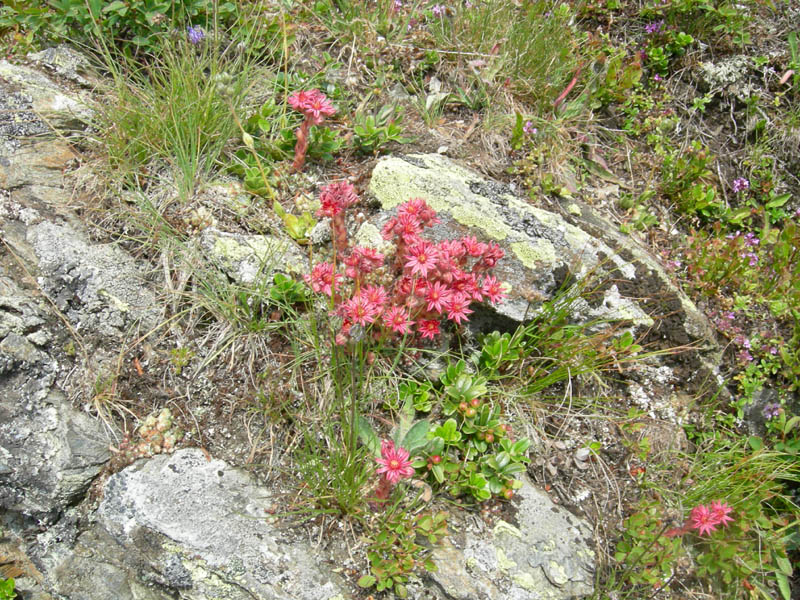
[49, 451]
[546, 555]
[184, 526]
[50, 102]
[98, 286]
[248, 258]
[65, 62]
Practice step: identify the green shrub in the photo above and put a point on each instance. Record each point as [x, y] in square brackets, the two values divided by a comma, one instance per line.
[135, 25]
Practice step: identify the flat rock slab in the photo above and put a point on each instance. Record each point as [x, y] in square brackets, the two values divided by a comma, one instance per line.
[546, 555]
[542, 249]
[185, 526]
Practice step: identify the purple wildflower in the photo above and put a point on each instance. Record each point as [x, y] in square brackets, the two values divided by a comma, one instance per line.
[740, 184]
[657, 77]
[750, 239]
[529, 129]
[772, 410]
[437, 10]
[195, 34]
[654, 27]
[744, 357]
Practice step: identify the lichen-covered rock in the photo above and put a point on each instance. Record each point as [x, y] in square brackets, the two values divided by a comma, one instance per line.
[48, 101]
[65, 62]
[49, 452]
[546, 555]
[97, 286]
[185, 526]
[246, 258]
[542, 249]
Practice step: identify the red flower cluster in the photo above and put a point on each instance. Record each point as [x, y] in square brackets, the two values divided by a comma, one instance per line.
[315, 107]
[706, 518]
[427, 281]
[313, 104]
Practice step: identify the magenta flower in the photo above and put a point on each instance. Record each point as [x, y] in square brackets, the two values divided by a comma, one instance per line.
[397, 319]
[421, 258]
[428, 328]
[458, 308]
[323, 279]
[437, 295]
[529, 129]
[740, 184]
[703, 519]
[394, 463]
[720, 512]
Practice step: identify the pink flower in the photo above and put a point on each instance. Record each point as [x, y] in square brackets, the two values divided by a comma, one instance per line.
[394, 463]
[397, 319]
[375, 295]
[335, 197]
[493, 290]
[362, 261]
[409, 227]
[319, 107]
[323, 279]
[313, 104]
[437, 296]
[421, 258]
[492, 255]
[473, 246]
[703, 519]
[458, 308]
[467, 284]
[428, 328]
[360, 310]
[419, 209]
[720, 512]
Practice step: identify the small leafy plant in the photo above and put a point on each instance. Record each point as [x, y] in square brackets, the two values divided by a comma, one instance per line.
[400, 545]
[372, 132]
[7, 589]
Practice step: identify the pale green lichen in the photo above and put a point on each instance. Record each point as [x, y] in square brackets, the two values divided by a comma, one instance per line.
[546, 546]
[118, 304]
[574, 209]
[474, 215]
[556, 572]
[233, 250]
[534, 254]
[503, 527]
[503, 562]
[525, 580]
